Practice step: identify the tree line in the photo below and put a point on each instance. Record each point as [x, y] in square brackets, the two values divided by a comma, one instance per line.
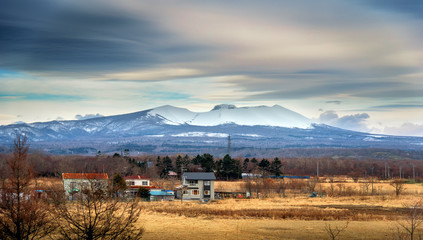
[225, 168]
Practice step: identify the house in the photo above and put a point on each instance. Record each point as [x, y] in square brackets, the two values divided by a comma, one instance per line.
[134, 182]
[198, 186]
[161, 195]
[75, 182]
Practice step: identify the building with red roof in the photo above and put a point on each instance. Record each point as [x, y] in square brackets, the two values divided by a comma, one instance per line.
[75, 182]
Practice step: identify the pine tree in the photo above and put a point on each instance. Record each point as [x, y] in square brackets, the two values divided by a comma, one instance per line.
[207, 162]
[245, 165]
[264, 166]
[275, 167]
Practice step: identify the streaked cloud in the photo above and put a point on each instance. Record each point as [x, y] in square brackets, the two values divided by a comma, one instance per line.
[154, 74]
[119, 56]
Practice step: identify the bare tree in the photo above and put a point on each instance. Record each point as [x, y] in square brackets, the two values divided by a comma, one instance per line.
[414, 218]
[312, 184]
[334, 232]
[92, 215]
[23, 214]
[399, 186]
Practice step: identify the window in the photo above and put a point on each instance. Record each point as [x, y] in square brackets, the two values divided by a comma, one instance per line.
[144, 183]
[206, 183]
[195, 192]
[132, 183]
[207, 192]
[192, 182]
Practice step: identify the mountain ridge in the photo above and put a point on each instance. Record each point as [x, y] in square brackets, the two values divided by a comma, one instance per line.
[167, 129]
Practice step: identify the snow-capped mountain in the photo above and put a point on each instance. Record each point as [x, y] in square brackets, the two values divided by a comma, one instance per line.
[276, 116]
[167, 129]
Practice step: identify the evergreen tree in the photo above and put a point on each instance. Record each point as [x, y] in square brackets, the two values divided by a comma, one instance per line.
[167, 162]
[264, 166]
[196, 160]
[231, 168]
[161, 167]
[179, 165]
[164, 166]
[143, 193]
[275, 167]
[119, 184]
[219, 169]
[245, 165]
[207, 162]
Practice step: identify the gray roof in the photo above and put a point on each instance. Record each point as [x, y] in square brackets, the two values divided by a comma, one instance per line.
[199, 176]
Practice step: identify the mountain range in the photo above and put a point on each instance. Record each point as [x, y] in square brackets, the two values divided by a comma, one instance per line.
[254, 131]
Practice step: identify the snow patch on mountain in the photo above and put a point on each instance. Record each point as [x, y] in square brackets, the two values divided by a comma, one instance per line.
[229, 114]
[201, 134]
[172, 115]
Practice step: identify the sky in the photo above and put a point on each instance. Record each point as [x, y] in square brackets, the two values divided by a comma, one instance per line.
[355, 64]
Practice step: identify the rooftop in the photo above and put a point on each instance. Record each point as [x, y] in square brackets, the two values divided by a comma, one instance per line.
[85, 176]
[135, 177]
[199, 176]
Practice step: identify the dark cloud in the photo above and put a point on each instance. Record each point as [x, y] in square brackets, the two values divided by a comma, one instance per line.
[356, 122]
[413, 8]
[307, 88]
[50, 35]
[87, 116]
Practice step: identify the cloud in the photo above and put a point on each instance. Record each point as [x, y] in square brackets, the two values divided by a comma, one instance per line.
[406, 129]
[393, 106]
[413, 8]
[201, 52]
[334, 102]
[87, 116]
[154, 74]
[64, 36]
[356, 122]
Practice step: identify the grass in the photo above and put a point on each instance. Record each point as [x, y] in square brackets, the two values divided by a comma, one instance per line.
[294, 217]
[169, 226]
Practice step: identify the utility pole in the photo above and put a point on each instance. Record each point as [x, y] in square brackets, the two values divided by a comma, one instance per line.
[229, 145]
[400, 172]
[317, 168]
[385, 171]
[414, 174]
[372, 180]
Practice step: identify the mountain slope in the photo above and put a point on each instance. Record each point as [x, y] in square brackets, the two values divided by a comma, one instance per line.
[223, 114]
[169, 129]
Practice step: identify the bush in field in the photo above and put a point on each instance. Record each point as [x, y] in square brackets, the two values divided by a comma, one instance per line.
[399, 186]
[334, 232]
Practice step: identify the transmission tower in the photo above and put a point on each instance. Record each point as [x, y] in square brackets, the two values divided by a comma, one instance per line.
[229, 145]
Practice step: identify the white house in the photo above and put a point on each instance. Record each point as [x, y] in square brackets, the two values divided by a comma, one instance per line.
[198, 186]
[134, 182]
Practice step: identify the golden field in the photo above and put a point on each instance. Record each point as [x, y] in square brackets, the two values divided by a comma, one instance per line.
[294, 217]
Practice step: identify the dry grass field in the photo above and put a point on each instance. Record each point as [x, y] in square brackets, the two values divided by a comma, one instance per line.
[295, 217]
